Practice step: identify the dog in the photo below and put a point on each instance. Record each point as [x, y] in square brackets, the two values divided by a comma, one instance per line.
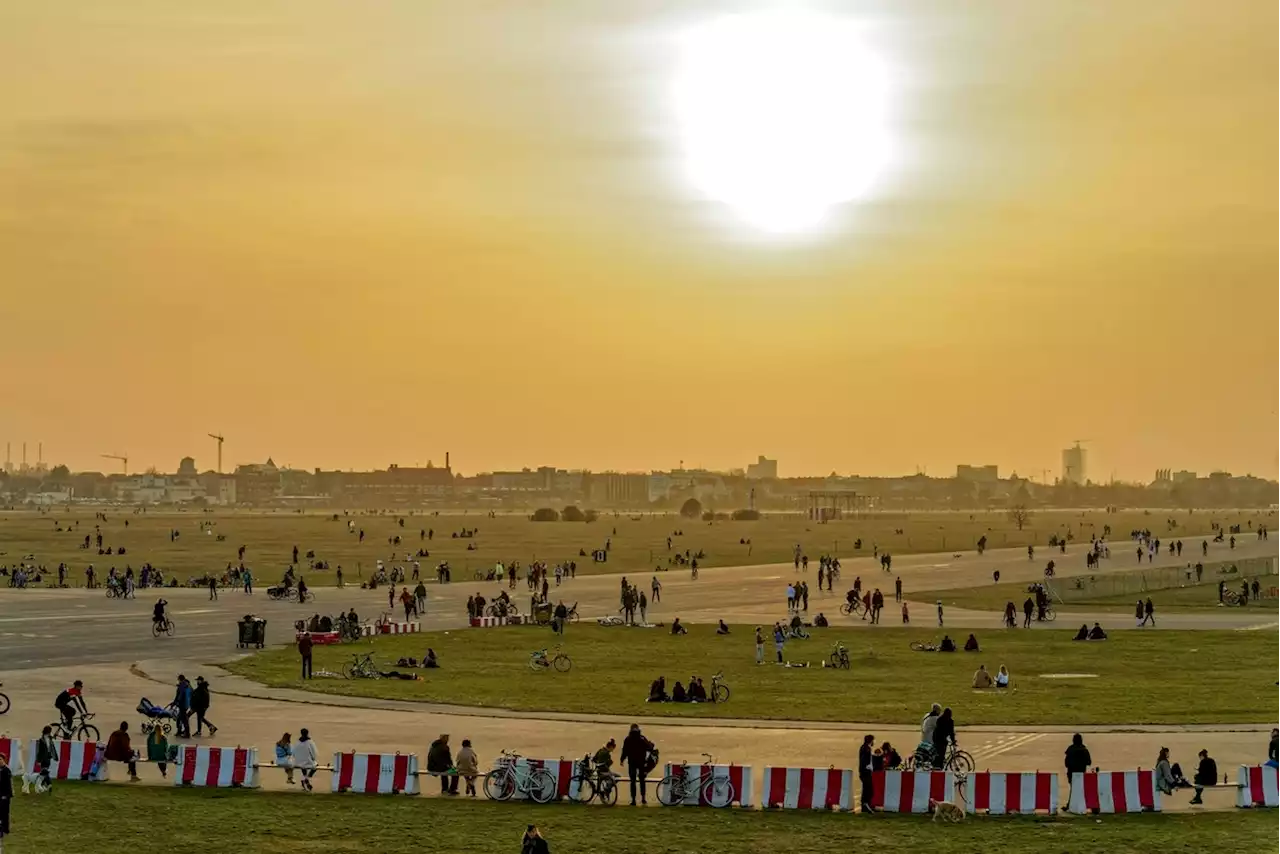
[947, 811]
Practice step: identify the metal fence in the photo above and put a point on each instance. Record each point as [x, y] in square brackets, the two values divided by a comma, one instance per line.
[1089, 587]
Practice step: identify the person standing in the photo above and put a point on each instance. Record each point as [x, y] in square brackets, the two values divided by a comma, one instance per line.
[304, 649]
[182, 701]
[200, 705]
[158, 750]
[468, 765]
[939, 613]
[304, 758]
[6, 797]
[779, 638]
[897, 589]
[247, 576]
[759, 645]
[866, 757]
[635, 755]
[420, 597]
[213, 589]
[804, 595]
[1076, 759]
[657, 590]
[644, 606]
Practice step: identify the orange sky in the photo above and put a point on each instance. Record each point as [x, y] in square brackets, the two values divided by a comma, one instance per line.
[353, 234]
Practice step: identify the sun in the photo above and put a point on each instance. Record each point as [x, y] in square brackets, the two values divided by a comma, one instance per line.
[782, 116]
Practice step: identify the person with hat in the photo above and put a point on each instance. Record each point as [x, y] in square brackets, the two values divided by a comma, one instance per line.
[200, 705]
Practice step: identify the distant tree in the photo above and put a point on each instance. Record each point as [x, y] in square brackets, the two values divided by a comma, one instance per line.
[60, 472]
[745, 515]
[708, 516]
[545, 514]
[590, 515]
[691, 509]
[572, 514]
[1019, 515]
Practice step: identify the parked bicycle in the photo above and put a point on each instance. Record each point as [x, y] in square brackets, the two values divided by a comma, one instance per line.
[589, 782]
[839, 657]
[928, 646]
[719, 690]
[81, 729]
[508, 778]
[4, 701]
[361, 667]
[540, 661]
[680, 786]
[162, 627]
[348, 630]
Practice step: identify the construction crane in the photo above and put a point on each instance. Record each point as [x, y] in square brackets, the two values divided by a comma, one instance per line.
[123, 458]
[219, 439]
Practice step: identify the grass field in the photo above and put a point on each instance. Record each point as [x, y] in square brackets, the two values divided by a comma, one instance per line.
[637, 542]
[109, 820]
[612, 669]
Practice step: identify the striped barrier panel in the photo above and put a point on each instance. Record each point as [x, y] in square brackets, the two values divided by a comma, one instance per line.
[1012, 794]
[808, 789]
[1110, 792]
[369, 630]
[217, 767]
[561, 770]
[739, 777]
[72, 760]
[489, 622]
[910, 791]
[1258, 786]
[11, 748]
[375, 773]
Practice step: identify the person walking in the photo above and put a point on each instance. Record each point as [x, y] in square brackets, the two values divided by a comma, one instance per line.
[1028, 608]
[866, 757]
[635, 755]
[939, 613]
[1149, 612]
[305, 753]
[213, 589]
[897, 589]
[657, 590]
[200, 705]
[304, 649]
[420, 599]
[182, 701]
[247, 577]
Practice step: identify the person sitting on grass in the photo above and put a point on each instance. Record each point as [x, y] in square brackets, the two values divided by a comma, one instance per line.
[796, 623]
[430, 660]
[1002, 678]
[658, 690]
[982, 679]
[722, 629]
[1206, 775]
[947, 645]
[971, 645]
[1096, 633]
[697, 693]
[1083, 634]
[678, 694]
[821, 621]
[677, 629]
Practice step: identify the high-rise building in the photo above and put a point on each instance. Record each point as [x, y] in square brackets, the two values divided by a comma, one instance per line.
[1073, 465]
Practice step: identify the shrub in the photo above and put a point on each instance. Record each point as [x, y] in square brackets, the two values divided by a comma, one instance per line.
[590, 516]
[746, 515]
[691, 509]
[545, 514]
[572, 514]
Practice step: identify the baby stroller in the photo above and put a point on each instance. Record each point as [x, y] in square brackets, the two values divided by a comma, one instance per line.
[157, 717]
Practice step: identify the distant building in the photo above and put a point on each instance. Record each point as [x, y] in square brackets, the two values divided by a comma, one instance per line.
[187, 468]
[394, 485]
[763, 469]
[617, 489]
[1073, 465]
[978, 474]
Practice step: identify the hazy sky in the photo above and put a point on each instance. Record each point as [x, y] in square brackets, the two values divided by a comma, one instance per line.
[349, 234]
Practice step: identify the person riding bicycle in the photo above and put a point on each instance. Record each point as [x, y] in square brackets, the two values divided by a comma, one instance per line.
[851, 597]
[68, 701]
[944, 736]
[157, 612]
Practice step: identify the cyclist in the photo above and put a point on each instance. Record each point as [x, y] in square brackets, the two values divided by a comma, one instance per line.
[157, 612]
[68, 701]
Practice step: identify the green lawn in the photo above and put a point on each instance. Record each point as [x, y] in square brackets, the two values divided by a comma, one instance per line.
[637, 541]
[1216, 676]
[109, 820]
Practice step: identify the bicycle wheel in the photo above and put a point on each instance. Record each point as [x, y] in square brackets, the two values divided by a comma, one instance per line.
[846, 609]
[168, 628]
[720, 694]
[88, 732]
[536, 664]
[1050, 615]
[478, 575]
[960, 762]
[834, 659]
[563, 663]
[718, 792]
[607, 790]
[4, 703]
[349, 670]
[542, 786]
[671, 790]
[155, 630]
[500, 784]
[581, 790]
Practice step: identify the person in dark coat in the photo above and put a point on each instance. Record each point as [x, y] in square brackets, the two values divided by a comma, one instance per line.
[200, 705]
[1206, 775]
[182, 702]
[943, 734]
[635, 755]
[440, 761]
[866, 759]
[1077, 759]
[533, 842]
[6, 796]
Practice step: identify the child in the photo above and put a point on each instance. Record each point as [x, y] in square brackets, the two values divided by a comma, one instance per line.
[906, 617]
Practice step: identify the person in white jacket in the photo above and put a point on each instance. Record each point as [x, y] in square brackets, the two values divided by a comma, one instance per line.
[304, 758]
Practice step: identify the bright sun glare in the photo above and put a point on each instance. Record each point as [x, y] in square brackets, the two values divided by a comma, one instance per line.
[782, 116]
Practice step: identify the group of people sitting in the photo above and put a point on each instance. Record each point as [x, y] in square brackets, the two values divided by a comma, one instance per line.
[695, 693]
[982, 679]
[1086, 633]
[948, 645]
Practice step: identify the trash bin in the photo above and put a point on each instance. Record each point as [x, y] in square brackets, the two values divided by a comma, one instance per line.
[253, 632]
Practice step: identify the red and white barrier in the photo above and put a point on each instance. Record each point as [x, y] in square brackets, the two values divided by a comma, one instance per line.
[808, 788]
[368, 630]
[320, 638]
[217, 767]
[12, 750]
[1114, 792]
[1258, 787]
[739, 777]
[490, 622]
[72, 760]
[375, 773]
[910, 791]
[1012, 794]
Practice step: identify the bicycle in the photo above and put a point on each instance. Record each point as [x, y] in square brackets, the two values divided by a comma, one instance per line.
[81, 730]
[506, 780]
[501, 609]
[917, 646]
[348, 631]
[677, 787]
[839, 657]
[588, 783]
[956, 760]
[1049, 614]
[610, 621]
[539, 661]
[853, 609]
[162, 627]
[361, 667]
[4, 702]
[1230, 597]
[719, 690]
